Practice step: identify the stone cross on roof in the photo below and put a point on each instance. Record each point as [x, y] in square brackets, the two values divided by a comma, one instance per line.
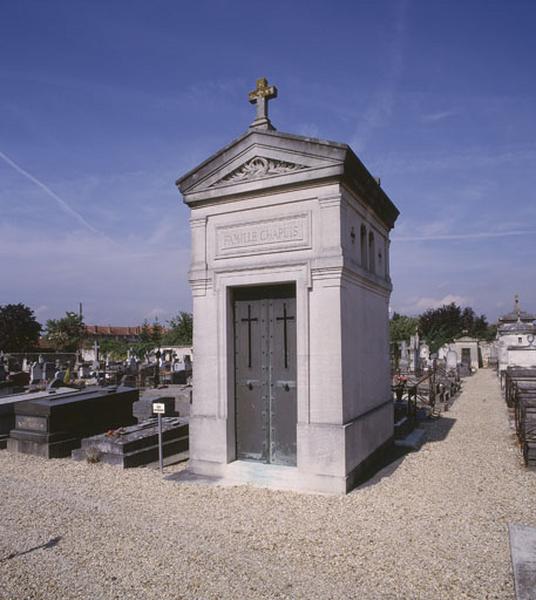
[517, 308]
[260, 96]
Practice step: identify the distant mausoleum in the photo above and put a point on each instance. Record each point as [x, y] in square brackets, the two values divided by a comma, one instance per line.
[516, 338]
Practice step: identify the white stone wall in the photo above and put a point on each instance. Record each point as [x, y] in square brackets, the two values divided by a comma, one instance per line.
[512, 340]
[521, 356]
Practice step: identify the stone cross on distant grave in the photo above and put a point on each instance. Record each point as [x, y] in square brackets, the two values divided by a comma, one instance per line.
[95, 365]
[260, 96]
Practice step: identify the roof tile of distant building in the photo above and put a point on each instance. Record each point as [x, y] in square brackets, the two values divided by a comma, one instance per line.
[113, 330]
[517, 314]
[517, 321]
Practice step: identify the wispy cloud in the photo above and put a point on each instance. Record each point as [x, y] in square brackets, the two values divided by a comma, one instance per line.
[476, 235]
[157, 313]
[65, 207]
[380, 109]
[474, 158]
[425, 303]
[117, 284]
[417, 305]
[438, 116]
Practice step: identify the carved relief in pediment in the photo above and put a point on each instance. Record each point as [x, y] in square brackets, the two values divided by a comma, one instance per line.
[259, 167]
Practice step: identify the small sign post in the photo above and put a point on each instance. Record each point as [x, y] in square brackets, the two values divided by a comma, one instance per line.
[159, 409]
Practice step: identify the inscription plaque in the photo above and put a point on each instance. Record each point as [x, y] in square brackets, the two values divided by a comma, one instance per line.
[31, 423]
[292, 232]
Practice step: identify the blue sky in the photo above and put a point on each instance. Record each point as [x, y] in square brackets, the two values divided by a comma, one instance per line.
[103, 104]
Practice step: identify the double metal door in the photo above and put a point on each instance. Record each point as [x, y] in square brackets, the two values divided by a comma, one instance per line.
[265, 374]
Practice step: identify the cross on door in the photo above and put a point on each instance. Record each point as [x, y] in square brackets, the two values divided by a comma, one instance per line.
[285, 318]
[249, 321]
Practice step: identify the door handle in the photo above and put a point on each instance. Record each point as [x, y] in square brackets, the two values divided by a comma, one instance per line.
[286, 385]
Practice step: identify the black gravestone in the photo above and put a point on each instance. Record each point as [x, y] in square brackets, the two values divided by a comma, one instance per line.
[53, 427]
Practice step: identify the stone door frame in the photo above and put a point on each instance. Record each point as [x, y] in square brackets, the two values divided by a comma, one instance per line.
[224, 282]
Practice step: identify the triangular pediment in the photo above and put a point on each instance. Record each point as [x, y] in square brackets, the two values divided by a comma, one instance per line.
[264, 161]
[261, 159]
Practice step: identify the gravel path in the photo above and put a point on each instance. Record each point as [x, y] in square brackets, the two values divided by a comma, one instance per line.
[433, 527]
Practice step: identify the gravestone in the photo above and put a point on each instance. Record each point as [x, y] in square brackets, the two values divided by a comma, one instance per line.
[132, 366]
[523, 552]
[424, 356]
[7, 408]
[404, 357]
[36, 373]
[413, 352]
[83, 371]
[142, 409]
[451, 360]
[136, 445]
[52, 426]
[49, 370]
[292, 374]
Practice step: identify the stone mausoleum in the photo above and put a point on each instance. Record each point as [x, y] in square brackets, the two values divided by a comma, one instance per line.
[290, 282]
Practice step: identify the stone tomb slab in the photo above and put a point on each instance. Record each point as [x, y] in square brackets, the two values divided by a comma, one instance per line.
[136, 445]
[7, 409]
[53, 425]
[523, 550]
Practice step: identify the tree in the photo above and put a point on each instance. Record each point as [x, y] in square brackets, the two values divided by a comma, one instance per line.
[19, 329]
[66, 334]
[117, 349]
[157, 333]
[401, 327]
[491, 333]
[442, 325]
[180, 331]
[150, 338]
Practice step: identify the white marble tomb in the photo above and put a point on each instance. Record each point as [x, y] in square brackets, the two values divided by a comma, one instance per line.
[274, 212]
[516, 338]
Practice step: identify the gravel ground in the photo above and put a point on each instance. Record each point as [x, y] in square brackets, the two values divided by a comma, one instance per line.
[433, 525]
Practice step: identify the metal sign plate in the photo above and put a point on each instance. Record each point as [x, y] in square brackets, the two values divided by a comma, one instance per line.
[159, 408]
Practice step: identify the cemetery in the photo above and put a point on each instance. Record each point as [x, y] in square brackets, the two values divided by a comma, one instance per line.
[59, 405]
[302, 440]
